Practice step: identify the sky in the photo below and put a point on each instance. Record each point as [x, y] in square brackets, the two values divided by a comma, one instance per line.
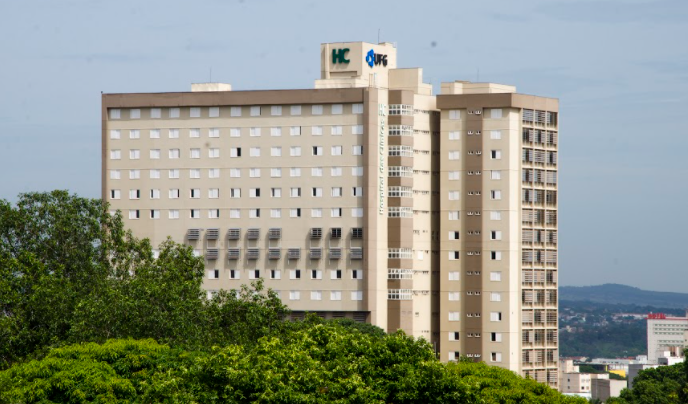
[619, 68]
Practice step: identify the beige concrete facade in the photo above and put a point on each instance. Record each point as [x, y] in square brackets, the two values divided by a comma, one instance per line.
[367, 197]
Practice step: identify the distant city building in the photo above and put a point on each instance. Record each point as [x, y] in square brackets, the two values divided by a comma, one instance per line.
[664, 333]
[367, 197]
[605, 388]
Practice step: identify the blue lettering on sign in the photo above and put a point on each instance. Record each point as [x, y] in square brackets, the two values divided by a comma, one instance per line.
[375, 59]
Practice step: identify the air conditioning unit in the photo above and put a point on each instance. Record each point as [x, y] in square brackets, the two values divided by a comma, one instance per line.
[253, 234]
[234, 234]
[212, 253]
[212, 234]
[233, 253]
[193, 234]
[356, 253]
[315, 253]
[294, 253]
[316, 232]
[275, 233]
[274, 253]
[335, 253]
[253, 253]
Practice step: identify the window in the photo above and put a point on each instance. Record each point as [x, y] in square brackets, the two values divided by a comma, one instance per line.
[275, 172]
[115, 154]
[454, 276]
[213, 193]
[213, 153]
[496, 356]
[295, 192]
[173, 133]
[254, 172]
[316, 212]
[336, 274]
[234, 274]
[495, 276]
[495, 215]
[115, 174]
[454, 114]
[496, 154]
[495, 235]
[155, 214]
[276, 192]
[495, 134]
[275, 213]
[276, 132]
[254, 274]
[357, 171]
[337, 109]
[214, 112]
[173, 112]
[495, 175]
[276, 151]
[357, 150]
[357, 295]
[453, 296]
[496, 194]
[234, 132]
[115, 134]
[173, 214]
[115, 114]
[454, 136]
[336, 192]
[496, 255]
[316, 131]
[195, 153]
[316, 192]
[295, 274]
[194, 133]
[134, 174]
[295, 131]
[356, 212]
[453, 155]
[155, 194]
[295, 151]
[235, 152]
[235, 193]
[254, 152]
[316, 274]
[195, 173]
[254, 213]
[154, 173]
[453, 195]
[453, 215]
[453, 175]
[317, 171]
[195, 193]
[295, 110]
[496, 316]
[453, 316]
[336, 171]
[255, 111]
[276, 110]
[195, 213]
[174, 153]
[154, 133]
[453, 235]
[294, 172]
[400, 171]
[213, 132]
[155, 154]
[317, 150]
[317, 109]
[134, 214]
[235, 172]
[254, 193]
[173, 173]
[453, 336]
[214, 214]
[255, 132]
[336, 212]
[195, 112]
[356, 274]
[336, 130]
[295, 212]
[496, 113]
[234, 213]
[495, 297]
[135, 113]
[235, 111]
[316, 295]
[115, 194]
[336, 150]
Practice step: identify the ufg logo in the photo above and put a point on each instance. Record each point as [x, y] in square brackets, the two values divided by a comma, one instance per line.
[376, 59]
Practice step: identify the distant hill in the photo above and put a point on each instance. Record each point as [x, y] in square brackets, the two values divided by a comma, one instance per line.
[621, 294]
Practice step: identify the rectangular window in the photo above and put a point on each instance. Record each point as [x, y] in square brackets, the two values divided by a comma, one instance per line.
[295, 274]
[495, 297]
[495, 215]
[173, 133]
[356, 212]
[195, 154]
[295, 192]
[213, 153]
[316, 131]
[254, 172]
[357, 130]
[254, 274]
[336, 171]
[115, 154]
[454, 275]
[213, 193]
[275, 172]
[316, 212]
[134, 214]
[154, 133]
[195, 173]
[135, 113]
[337, 109]
[496, 194]
[234, 274]
[316, 274]
[356, 274]
[495, 276]
[115, 114]
[295, 131]
[336, 212]
[254, 193]
[155, 154]
[295, 172]
[235, 111]
[453, 175]
[317, 110]
[255, 111]
[357, 191]
[155, 194]
[496, 316]
[336, 130]
[235, 152]
[254, 213]
[357, 108]
[195, 112]
[453, 215]
[173, 214]
[336, 192]
[213, 132]
[335, 295]
[495, 113]
[276, 110]
[295, 212]
[453, 235]
[453, 195]
[295, 151]
[453, 155]
[357, 295]
[495, 175]
[154, 174]
[173, 173]
[275, 213]
[317, 150]
[234, 132]
[235, 213]
[357, 171]
[194, 133]
[174, 153]
[255, 132]
[235, 172]
[195, 213]
[495, 134]
[213, 173]
[454, 114]
[173, 112]
[276, 151]
[316, 295]
[495, 235]
[357, 150]
[496, 255]
[295, 110]
[454, 135]
[115, 134]
[235, 193]
[335, 274]
[115, 194]
[316, 192]
[496, 154]
[194, 193]
[214, 214]
[316, 171]
[174, 193]
[453, 316]
[336, 150]
[496, 337]
[254, 152]
[453, 296]
[214, 112]
[134, 174]
[276, 132]
[496, 356]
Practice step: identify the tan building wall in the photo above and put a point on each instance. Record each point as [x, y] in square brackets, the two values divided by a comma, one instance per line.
[387, 174]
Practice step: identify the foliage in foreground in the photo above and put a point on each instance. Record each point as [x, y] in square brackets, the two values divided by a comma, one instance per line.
[662, 385]
[324, 362]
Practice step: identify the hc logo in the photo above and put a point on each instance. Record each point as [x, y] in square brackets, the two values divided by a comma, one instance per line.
[339, 56]
[375, 60]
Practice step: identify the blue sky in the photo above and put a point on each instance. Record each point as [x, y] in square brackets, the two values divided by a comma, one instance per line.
[619, 68]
